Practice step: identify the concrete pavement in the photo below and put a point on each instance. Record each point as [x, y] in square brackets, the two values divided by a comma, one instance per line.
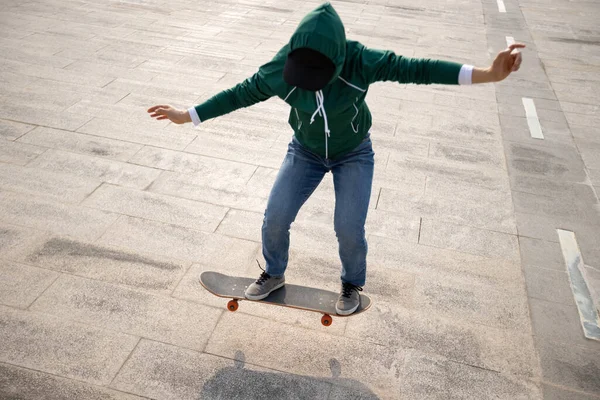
[107, 218]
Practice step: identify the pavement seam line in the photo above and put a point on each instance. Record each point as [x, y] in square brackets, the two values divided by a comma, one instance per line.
[58, 275]
[125, 362]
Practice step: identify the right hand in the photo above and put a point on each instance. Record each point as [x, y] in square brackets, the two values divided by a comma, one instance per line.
[165, 111]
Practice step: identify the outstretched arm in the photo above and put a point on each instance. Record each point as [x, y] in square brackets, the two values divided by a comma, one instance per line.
[380, 65]
[247, 93]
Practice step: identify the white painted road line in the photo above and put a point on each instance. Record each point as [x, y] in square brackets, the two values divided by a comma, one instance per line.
[510, 40]
[501, 7]
[535, 129]
[583, 298]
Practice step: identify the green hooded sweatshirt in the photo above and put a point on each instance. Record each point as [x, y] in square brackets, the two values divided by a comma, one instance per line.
[332, 121]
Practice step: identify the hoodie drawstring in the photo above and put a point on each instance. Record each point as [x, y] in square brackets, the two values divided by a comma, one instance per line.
[321, 111]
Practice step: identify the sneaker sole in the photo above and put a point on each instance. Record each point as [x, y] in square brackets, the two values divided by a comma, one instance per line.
[346, 312]
[262, 296]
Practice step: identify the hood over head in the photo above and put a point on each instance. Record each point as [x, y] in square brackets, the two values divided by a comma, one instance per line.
[317, 50]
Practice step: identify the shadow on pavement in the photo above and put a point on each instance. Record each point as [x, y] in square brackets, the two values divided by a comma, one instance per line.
[238, 382]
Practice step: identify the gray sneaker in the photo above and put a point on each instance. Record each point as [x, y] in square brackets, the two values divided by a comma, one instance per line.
[263, 286]
[349, 299]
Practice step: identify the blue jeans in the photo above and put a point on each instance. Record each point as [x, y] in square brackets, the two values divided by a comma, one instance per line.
[300, 174]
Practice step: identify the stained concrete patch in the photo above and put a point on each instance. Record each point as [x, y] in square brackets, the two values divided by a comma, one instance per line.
[109, 264]
[81, 143]
[559, 163]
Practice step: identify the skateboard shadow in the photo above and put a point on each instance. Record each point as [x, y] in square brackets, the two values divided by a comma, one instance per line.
[238, 382]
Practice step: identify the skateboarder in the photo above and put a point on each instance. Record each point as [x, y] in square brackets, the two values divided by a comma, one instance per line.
[324, 78]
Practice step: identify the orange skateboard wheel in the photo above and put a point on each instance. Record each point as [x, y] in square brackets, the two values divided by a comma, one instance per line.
[326, 320]
[232, 305]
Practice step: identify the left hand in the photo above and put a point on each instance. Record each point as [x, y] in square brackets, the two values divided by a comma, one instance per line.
[506, 61]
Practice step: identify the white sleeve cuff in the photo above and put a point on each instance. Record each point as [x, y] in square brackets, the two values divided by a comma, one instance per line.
[194, 115]
[465, 75]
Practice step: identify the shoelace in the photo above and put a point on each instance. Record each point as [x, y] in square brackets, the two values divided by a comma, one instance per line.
[263, 277]
[347, 289]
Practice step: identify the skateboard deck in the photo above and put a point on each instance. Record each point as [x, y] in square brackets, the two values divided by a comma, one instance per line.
[293, 296]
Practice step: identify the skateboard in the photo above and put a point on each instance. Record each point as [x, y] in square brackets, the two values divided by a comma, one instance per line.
[292, 296]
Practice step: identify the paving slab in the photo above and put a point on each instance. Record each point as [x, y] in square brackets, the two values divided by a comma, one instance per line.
[559, 393]
[469, 240]
[52, 185]
[209, 168]
[23, 383]
[549, 285]
[81, 143]
[104, 263]
[433, 377]
[177, 242]
[226, 191]
[419, 258]
[22, 284]
[222, 147]
[581, 206]
[45, 343]
[64, 219]
[18, 153]
[490, 211]
[13, 130]
[125, 310]
[157, 207]
[570, 366]
[393, 225]
[380, 373]
[135, 132]
[33, 116]
[487, 347]
[474, 300]
[559, 323]
[242, 224]
[160, 371]
[109, 171]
